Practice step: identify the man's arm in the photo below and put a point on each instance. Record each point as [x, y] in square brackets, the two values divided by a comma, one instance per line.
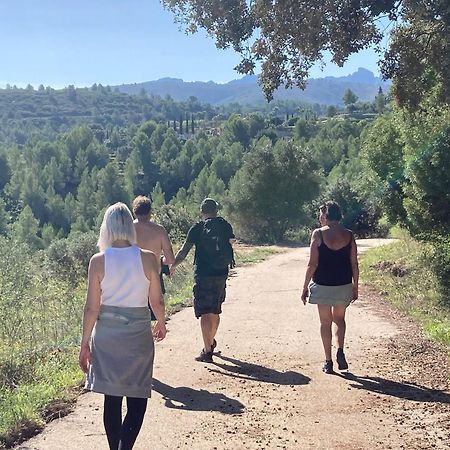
[181, 254]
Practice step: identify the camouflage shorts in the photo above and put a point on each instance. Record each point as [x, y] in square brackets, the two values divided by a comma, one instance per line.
[209, 294]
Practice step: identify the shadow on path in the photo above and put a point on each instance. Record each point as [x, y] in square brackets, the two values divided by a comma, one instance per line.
[407, 391]
[194, 400]
[255, 372]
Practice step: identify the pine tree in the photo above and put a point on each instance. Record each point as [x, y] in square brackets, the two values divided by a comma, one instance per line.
[158, 196]
[4, 219]
[110, 186]
[86, 207]
[26, 228]
[134, 175]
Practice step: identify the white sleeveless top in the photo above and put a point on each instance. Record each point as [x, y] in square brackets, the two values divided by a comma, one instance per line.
[124, 283]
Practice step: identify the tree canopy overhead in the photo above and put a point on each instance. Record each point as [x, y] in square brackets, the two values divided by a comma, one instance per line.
[289, 36]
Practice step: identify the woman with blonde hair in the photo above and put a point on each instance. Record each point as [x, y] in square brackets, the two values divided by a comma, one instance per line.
[117, 347]
[331, 279]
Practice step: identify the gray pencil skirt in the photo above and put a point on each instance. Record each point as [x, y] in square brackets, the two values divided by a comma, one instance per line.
[330, 295]
[122, 353]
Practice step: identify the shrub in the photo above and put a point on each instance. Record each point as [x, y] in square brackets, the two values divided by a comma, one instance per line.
[176, 220]
[437, 253]
[427, 188]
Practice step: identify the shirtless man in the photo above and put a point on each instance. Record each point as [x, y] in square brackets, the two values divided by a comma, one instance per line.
[151, 236]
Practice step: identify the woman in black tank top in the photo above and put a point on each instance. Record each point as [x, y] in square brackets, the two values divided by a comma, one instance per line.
[331, 279]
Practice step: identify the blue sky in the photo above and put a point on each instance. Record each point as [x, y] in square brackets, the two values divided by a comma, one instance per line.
[61, 42]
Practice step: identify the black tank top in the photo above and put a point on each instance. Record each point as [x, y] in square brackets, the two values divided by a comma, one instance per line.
[334, 268]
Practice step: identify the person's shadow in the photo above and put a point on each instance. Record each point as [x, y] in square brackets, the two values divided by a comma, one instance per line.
[407, 391]
[196, 400]
[255, 372]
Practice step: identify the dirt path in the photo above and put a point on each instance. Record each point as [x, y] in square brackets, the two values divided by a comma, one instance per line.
[266, 389]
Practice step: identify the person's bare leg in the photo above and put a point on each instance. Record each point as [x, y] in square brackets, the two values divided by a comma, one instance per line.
[339, 319]
[209, 324]
[216, 327]
[326, 319]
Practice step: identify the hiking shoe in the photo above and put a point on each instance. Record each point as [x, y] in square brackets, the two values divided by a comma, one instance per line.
[328, 367]
[340, 358]
[205, 357]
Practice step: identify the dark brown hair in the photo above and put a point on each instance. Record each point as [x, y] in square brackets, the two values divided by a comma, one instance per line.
[142, 205]
[333, 211]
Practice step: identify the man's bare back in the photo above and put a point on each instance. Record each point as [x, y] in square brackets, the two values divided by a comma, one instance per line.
[154, 237]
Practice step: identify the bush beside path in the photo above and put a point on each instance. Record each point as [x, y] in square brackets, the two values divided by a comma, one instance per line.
[266, 389]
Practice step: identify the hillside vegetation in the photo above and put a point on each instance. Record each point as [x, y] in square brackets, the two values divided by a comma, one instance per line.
[268, 172]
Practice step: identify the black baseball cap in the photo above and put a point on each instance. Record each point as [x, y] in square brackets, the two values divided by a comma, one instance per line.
[208, 206]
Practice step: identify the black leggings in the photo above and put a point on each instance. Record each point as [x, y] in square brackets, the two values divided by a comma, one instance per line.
[122, 435]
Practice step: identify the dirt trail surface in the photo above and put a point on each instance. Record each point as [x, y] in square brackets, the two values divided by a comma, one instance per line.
[266, 389]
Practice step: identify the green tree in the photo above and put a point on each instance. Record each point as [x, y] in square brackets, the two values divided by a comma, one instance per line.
[4, 219]
[148, 128]
[110, 186]
[286, 39]
[331, 111]
[268, 195]
[304, 129]
[380, 101]
[134, 181]
[256, 123]
[382, 155]
[86, 207]
[57, 214]
[427, 190]
[33, 195]
[48, 235]
[158, 196]
[349, 98]
[236, 129]
[26, 229]
[199, 188]
[5, 171]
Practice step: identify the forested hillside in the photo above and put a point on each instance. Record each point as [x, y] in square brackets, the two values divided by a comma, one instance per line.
[47, 111]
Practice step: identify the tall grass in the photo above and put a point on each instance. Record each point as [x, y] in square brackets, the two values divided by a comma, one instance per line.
[401, 272]
[39, 327]
[41, 305]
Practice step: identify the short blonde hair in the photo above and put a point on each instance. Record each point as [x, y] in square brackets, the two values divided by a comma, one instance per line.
[117, 224]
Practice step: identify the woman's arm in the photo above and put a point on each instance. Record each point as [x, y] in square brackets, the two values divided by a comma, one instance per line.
[355, 268]
[155, 294]
[312, 263]
[91, 308]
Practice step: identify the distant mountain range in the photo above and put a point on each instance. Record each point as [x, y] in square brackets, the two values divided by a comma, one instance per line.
[326, 91]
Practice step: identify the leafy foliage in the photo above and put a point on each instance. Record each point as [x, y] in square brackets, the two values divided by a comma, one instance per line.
[288, 37]
[427, 190]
